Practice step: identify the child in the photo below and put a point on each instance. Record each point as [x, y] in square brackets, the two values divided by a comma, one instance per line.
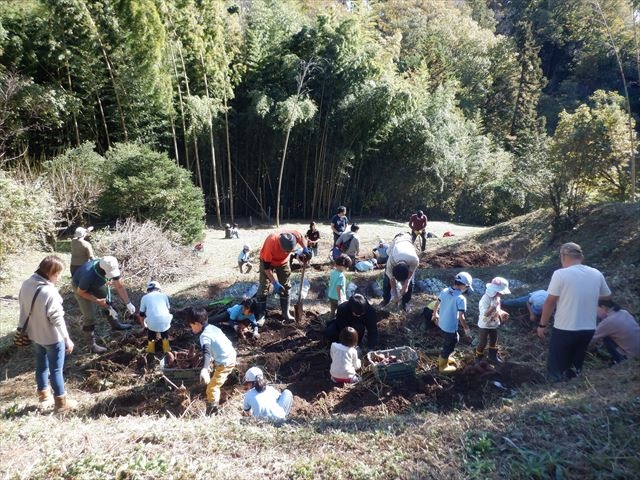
[239, 316]
[244, 259]
[214, 344]
[448, 311]
[338, 283]
[313, 236]
[154, 308]
[227, 230]
[264, 401]
[344, 357]
[234, 231]
[490, 316]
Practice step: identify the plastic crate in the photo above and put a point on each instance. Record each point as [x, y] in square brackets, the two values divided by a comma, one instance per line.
[180, 375]
[404, 367]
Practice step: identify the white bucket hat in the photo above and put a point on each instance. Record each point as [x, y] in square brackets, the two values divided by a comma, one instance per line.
[81, 232]
[252, 374]
[110, 266]
[498, 285]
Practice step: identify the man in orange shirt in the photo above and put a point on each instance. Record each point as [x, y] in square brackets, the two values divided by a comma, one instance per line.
[274, 262]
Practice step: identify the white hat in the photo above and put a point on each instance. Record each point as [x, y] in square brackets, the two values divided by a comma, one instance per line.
[246, 247]
[498, 285]
[465, 279]
[153, 285]
[252, 374]
[81, 232]
[110, 266]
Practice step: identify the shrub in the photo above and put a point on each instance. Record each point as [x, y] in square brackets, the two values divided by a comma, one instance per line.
[148, 185]
[144, 251]
[27, 215]
[75, 181]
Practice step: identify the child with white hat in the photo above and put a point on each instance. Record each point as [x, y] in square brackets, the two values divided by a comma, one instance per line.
[154, 308]
[491, 315]
[263, 400]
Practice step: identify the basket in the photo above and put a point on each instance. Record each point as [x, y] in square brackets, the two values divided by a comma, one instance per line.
[180, 375]
[404, 367]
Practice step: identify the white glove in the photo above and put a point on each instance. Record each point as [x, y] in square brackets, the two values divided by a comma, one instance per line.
[255, 334]
[131, 308]
[204, 376]
[113, 313]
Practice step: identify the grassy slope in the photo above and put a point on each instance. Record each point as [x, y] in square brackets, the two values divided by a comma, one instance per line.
[584, 429]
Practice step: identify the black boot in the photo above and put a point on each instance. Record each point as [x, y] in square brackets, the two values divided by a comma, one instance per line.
[493, 355]
[479, 355]
[90, 338]
[116, 325]
[284, 305]
[261, 312]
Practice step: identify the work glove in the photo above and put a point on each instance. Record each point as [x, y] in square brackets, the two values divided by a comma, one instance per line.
[255, 333]
[131, 308]
[113, 313]
[306, 251]
[277, 287]
[204, 376]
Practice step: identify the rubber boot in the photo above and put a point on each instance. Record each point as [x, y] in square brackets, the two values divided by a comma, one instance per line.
[166, 348]
[444, 367]
[116, 325]
[151, 346]
[64, 403]
[479, 355]
[493, 356]
[45, 399]
[211, 409]
[249, 267]
[261, 312]
[90, 338]
[284, 305]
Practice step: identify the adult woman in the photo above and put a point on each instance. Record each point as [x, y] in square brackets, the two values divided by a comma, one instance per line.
[618, 331]
[41, 304]
[264, 401]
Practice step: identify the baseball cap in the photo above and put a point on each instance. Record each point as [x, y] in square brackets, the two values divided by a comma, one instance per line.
[287, 241]
[252, 374]
[498, 285]
[110, 266]
[465, 279]
[81, 232]
[153, 285]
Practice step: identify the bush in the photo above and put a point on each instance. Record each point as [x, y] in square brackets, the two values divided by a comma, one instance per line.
[27, 215]
[75, 181]
[145, 252]
[148, 185]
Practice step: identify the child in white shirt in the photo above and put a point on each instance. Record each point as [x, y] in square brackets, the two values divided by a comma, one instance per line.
[491, 315]
[154, 308]
[344, 357]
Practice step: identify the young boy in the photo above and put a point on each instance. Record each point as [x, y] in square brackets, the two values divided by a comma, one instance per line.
[238, 316]
[244, 259]
[338, 283]
[154, 308]
[214, 344]
[448, 311]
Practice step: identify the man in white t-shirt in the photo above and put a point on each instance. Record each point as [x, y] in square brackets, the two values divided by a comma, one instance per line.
[401, 268]
[573, 292]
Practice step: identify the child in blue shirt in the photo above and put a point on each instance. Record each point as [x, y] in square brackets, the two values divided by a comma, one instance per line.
[448, 311]
[338, 283]
[239, 316]
[244, 259]
[215, 346]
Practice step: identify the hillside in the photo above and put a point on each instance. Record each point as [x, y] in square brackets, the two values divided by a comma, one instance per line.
[502, 423]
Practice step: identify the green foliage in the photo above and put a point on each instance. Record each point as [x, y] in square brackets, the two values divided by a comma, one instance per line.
[148, 185]
[27, 215]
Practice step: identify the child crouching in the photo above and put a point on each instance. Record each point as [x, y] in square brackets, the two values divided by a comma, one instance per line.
[344, 357]
[154, 309]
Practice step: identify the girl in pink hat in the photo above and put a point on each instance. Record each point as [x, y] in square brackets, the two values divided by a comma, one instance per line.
[491, 315]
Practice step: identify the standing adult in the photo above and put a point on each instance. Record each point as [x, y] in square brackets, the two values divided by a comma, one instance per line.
[574, 292]
[418, 225]
[399, 272]
[81, 249]
[339, 223]
[274, 262]
[41, 306]
[349, 243]
[92, 284]
[358, 313]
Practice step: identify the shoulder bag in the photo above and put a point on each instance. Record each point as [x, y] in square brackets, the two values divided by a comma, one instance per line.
[21, 338]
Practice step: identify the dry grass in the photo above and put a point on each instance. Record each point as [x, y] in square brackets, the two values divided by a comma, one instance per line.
[586, 428]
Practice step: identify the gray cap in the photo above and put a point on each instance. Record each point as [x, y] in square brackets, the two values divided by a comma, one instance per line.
[287, 241]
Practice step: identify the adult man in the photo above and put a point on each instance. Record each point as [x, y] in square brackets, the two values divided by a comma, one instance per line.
[349, 243]
[418, 225]
[274, 257]
[339, 223]
[356, 313]
[92, 288]
[533, 302]
[574, 292]
[381, 252]
[81, 249]
[400, 269]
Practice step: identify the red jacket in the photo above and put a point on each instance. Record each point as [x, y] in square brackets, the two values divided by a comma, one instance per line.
[272, 253]
[418, 223]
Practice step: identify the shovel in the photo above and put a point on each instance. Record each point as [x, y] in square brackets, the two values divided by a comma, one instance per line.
[298, 311]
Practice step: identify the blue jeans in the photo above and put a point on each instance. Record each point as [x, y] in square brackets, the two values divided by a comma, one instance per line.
[449, 342]
[50, 362]
[285, 400]
[516, 302]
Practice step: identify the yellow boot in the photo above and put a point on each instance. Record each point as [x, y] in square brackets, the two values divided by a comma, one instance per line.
[444, 367]
[151, 346]
[166, 348]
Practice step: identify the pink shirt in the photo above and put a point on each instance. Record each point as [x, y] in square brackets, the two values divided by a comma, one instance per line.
[623, 329]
